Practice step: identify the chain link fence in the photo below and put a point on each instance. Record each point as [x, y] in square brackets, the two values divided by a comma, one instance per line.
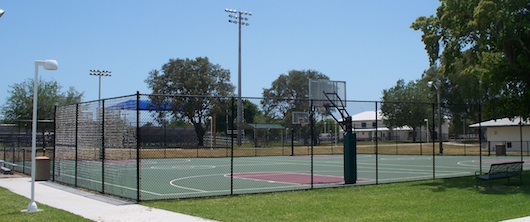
[151, 147]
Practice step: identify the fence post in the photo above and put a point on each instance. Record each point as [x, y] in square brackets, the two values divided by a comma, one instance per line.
[102, 150]
[232, 147]
[521, 136]
[433, 144]
[312, 134]
[480, 138]
[76, 141]
[138, 146]
[23, 160]
[54, 140]
[376, 146]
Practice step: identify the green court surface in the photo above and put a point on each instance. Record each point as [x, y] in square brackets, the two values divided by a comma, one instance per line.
[199, 177]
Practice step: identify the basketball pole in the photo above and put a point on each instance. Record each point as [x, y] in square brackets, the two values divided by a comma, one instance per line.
[327, 92]
[350, 153]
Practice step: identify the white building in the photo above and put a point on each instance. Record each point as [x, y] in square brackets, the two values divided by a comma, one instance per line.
[364, 125]
[506, 132]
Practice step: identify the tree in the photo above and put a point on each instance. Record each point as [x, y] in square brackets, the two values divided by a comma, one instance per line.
[196, 87]
[250, 111]
[405, 105]
[489, 39]
[251, 114]
[19, 106]
[289, 93]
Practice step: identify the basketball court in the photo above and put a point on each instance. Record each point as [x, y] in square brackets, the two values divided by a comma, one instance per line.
[199, 177]
[127, 162]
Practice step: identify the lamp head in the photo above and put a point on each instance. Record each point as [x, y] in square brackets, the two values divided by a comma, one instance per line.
[2, 12]
[51, 64]
[429, 84]
[48, 64]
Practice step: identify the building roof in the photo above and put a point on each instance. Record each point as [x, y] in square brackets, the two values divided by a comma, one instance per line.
[367, 116]
[262, 126]
[500, 122]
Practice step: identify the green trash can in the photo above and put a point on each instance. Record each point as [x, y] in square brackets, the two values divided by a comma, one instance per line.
[42, 168]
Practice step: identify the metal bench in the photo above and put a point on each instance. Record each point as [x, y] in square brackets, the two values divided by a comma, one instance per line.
[504, 170]
[6, 170]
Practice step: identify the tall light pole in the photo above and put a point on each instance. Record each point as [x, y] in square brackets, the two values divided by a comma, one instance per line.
[100, 73]
[236, 17]
[48, 65]
[436, 86]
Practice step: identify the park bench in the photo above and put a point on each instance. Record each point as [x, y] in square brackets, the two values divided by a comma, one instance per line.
[504, 170]
[6, 170]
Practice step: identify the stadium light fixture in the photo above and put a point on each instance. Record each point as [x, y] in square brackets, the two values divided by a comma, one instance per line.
[48, 65]
[100, 73]
[236, 17]
[436, 85]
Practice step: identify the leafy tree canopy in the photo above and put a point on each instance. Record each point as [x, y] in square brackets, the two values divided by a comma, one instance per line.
[19, 105]
[201, 83]
[289, 92]
[489, 39]
[404, 104]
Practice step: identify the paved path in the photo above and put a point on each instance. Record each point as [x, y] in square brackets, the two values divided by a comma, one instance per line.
[89, 205]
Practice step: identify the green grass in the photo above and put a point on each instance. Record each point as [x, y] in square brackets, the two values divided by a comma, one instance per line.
[11, 204]
[454, 199]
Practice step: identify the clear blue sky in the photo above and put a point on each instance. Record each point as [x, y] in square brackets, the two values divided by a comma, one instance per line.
[368, 44]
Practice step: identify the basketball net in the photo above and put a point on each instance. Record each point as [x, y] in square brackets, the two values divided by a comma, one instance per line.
[325, 109]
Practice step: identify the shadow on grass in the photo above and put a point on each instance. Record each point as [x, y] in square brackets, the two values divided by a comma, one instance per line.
[494, 187]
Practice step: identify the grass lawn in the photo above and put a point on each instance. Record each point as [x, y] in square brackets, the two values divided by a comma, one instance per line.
[11, 204]
[454, 199]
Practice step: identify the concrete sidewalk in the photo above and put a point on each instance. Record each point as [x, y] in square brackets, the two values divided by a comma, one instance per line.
[89, 205]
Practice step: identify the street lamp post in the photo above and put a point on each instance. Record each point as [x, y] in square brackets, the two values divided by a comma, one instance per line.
[427, 123]
[48, 65]
[237, 19]
[436, 86]
[100, 73]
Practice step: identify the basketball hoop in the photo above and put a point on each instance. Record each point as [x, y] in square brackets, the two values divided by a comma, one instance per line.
[325, 109]
[302, 122]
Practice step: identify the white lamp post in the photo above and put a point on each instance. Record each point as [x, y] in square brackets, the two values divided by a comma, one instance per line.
[48, 65]
[436, 86]
[427, 122]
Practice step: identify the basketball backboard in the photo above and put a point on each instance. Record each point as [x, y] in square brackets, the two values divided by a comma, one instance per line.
[326, 94]
[301, 118]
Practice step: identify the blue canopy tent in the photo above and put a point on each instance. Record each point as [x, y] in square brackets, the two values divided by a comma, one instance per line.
[142, 105]
[155, 133]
